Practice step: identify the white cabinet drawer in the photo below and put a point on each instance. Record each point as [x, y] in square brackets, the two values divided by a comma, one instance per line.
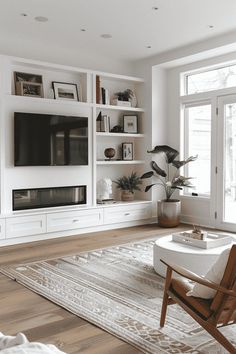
[127, 213]
[2, 229]
[74, 220]
[25, 226]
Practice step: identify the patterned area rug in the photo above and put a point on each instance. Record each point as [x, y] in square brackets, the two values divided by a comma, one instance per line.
[118, 290]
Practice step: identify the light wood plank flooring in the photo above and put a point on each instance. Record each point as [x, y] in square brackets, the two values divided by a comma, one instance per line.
[21, 310]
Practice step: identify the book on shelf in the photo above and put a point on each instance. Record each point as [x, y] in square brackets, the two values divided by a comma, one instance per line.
[105, 124]
[104, 96]
[98, 89]
[98, 122]
[107, 97]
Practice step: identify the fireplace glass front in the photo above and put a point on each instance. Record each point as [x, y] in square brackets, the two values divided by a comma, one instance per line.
[48, 197]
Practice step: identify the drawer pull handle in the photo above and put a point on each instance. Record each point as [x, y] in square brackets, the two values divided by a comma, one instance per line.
[75, 220]
[126, 214]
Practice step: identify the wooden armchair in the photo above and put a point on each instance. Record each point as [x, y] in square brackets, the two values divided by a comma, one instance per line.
[210, 314]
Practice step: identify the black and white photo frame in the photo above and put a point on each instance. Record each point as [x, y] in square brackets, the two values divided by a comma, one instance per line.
[65, 91]
[27, 84]
[130, 124]
[127, 151]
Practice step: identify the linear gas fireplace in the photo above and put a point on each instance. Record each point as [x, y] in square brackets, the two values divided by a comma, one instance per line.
[48, 197]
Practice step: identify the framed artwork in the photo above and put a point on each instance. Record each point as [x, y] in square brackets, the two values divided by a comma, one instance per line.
[131, 124]
[30, 85]
[65, 91]
[127, 151]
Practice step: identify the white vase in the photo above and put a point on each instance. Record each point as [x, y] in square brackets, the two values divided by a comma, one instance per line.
[168, 212]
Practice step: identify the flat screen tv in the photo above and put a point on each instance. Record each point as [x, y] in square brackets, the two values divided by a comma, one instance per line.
[50, 140]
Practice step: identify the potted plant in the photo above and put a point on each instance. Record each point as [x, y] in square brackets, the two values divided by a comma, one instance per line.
[124, 95]
[168, 209]
[127, 96]
[128, 185]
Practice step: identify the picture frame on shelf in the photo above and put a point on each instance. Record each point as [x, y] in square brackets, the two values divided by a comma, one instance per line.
[130, 124]
[27, 84]
[127, 151]
[65, 91]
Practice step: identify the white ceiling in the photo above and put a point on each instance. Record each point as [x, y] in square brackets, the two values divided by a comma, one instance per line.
[133, 24]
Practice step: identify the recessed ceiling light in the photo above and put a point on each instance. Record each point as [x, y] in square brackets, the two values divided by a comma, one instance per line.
[210, 26]
[24, 14]
[106, 35]
[83, 30]
[148, 46]
[155, 8]
[41, 19]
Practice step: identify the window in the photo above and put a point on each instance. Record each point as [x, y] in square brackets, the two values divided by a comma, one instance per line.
[214, 79]
[197, 141]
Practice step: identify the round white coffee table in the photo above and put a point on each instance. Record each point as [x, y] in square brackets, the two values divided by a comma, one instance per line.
[195, 259]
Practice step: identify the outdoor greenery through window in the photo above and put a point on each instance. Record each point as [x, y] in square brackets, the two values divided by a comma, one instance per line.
[197, 132]
[214, 79]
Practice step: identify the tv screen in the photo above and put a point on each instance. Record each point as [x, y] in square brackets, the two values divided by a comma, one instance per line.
[50, 140]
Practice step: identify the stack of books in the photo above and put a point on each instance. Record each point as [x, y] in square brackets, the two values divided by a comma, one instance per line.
[102, 94]
[103, 123]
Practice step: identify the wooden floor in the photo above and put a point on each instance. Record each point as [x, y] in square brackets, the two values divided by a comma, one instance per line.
[21, 310]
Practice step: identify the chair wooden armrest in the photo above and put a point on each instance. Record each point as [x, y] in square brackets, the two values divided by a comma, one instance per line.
[198, 279]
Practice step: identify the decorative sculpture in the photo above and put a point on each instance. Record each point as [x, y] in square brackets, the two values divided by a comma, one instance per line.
[104, 189]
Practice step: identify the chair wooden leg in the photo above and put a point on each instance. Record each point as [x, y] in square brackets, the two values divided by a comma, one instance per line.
[211, 329]
[221, 339]
[165, 297]
[163, 309]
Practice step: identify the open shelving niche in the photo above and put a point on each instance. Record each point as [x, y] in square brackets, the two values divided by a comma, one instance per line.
[31, 177]
[117, 167]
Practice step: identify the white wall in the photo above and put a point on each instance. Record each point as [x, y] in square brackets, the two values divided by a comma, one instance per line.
[155, 115]
[54, 53]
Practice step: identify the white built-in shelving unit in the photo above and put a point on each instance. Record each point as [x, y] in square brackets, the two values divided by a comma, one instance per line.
[120, 162]
[119, 108]
[121, 135]
[45, 222]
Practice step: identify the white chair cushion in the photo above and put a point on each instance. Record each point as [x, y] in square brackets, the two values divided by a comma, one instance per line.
[214, 274]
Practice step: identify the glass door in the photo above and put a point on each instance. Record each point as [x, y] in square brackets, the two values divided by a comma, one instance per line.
[226, 166]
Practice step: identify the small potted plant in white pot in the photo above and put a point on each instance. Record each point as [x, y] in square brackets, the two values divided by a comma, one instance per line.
[169, 208]
[128, 185]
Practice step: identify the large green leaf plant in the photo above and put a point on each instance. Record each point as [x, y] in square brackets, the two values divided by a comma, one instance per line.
[168, 180]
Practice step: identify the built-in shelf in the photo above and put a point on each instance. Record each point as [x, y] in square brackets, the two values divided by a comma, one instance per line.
[46, 100]
[33, 224]
[117, 77]
[120, 135]
[120, 162]
[119, 108]
[121, 203]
